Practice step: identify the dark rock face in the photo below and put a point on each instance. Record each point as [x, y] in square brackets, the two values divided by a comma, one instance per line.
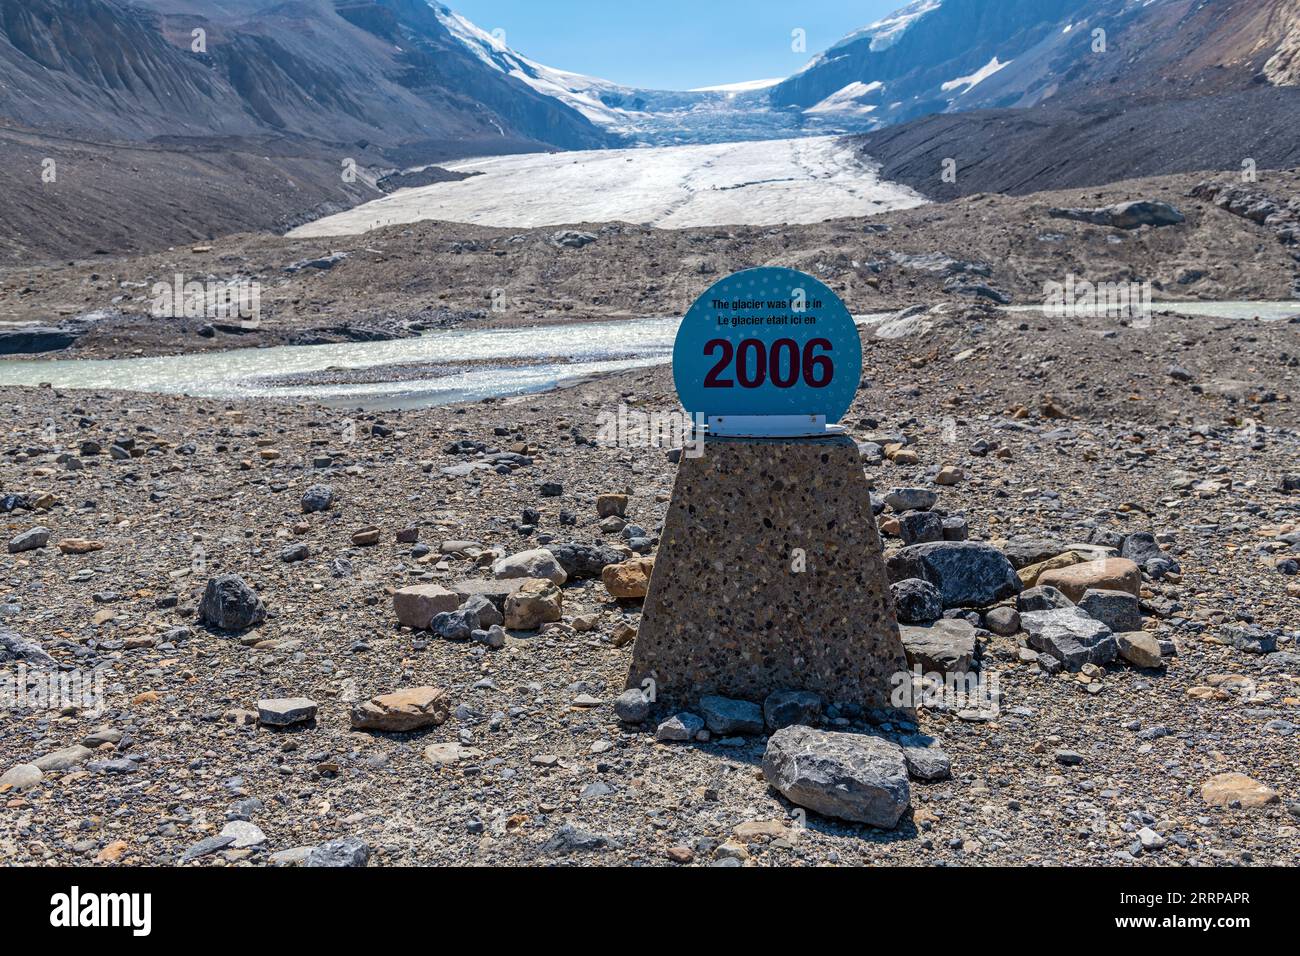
[584, 560]
[346, 852]
[1022, 551]
[1142, 549]
[231, 605]
[967, 573]
[36, 338]
[1042, 598]
[784, 708]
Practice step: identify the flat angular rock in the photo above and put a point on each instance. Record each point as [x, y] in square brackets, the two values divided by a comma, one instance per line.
[1112, 574]
[1227, 788]
[632, 706]
[410, 708]
[919, 527]
[946, 646]
[584, 560]
[416, 606]
[967, 573]
[925, 759]
[1024, 550]
[847, 776]
[1070, 636]
[726, 615]
[726, 717]
[286, 711]
[1041, 598]
[538, 563]
[243, 834]
[911, 499]
[495, 591]
[1118, 610]
[785, 708]
[229, 604]
[679, 728]
[64, 759]
[20, 777]
[29, 540]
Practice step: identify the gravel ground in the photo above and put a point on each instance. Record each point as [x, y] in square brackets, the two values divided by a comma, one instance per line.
[1097, 432]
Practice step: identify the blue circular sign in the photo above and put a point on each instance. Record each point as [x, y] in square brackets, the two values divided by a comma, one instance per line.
[767, 342]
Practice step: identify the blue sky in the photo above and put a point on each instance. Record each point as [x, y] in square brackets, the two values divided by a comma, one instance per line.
[672, 44]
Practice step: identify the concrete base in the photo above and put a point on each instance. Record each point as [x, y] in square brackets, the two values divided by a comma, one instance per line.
[770, 576]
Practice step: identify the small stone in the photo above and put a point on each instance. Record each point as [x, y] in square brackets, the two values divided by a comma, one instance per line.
[678, 728]
[911, 499]
[925, 759]
[624, 633]
[417, 606]
[785, 708]
[367, 537]
[947, 646]
[1227, 788]
[1070, 636]
[919, 527]
[1004, 620]
[1068, 758]
[285, 712]
[1139, 648]
[347, 852]
[1042, 599]
[29, 540]
[317, 498]
[632, 706]
[66, 759]
[538, 563]
[229, 604]
[535, 603]
[403, 710]
[949, 475]
[629, 580]
[20, 777]
[611, 505]
[727, 717]
[79, 546]
[243, 834]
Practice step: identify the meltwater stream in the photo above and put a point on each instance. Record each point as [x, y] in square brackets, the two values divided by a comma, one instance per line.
[433, 368]
[437, 368]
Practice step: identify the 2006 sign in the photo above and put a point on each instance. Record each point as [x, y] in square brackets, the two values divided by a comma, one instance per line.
[784, 364]
[767, 343]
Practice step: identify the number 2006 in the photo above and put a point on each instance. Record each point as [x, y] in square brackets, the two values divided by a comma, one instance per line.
[785, 364]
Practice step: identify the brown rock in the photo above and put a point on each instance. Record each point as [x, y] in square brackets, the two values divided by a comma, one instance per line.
[611, 506]
[1030, 574]
[624, 634]
[415, 606]
[111, 853]
[79, 546]
[629, 580]
[1226, 788]
[407, 709]
[536, 602]
[1139, 648]
[366, 537]
[949, 475]
[1112, 574]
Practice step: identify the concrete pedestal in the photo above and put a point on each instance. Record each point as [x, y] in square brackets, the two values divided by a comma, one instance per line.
[770, 576]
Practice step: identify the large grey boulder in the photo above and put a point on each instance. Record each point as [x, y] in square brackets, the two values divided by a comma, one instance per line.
[946, 646]
[229, 604]
[967, 573]
[1024, 550]
[1125, 215]
[1070, 636]
[1044, 597]
[848, 776]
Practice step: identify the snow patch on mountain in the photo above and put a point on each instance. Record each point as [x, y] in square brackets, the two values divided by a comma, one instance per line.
[848, 99]
[886, 32]
[975, 79]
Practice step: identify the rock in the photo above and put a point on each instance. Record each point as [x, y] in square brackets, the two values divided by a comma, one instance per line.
[949, 475]
[79, 546]
[1139, 648]
[1068, 758]
[967, 573]
[206, 846]
[611, 505]
[1002, 620]
[1024, 550]
[1142, 549]
[678, 728]
[229, 604]
[347, 852]
[925, 759]
[847, 776]
[535, 603]
[955, 529]
[243, 834]
[584, 560]
[1042, 599]
[13, 647]
[417, 606]
[494, 637]
[538, 563]
[726, 717]
[317, 498]
[454, 625]
[1118, 610]
[570, 839]
[495, 591]
[29, 540]
[919, 527]
[410, 708]
[629, 580]
[1070, 636]
[295, 553]
[911, 499]
[624, 633]
[1224, 789]
[294, 856]
[632, 706]
[785, 708]
[572, 239]
[64, 759]
[1111, 574]
[286, 711]
[916, 601]
[947, 646]
[1032, 574]
[20, 777]
[1125, 215]
[367, 537]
